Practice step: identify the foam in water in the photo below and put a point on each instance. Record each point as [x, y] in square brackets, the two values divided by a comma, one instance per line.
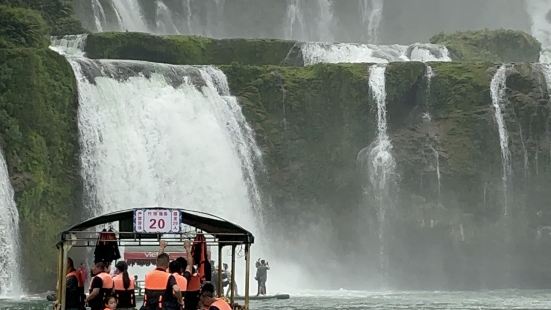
[358, 53]
[539, 11]
[10, 283]
[497, 88]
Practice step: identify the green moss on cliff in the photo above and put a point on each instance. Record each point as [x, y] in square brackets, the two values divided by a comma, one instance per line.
[39, 136]
[22, 28]
[490, 46]
[311, 123]
[186, 50]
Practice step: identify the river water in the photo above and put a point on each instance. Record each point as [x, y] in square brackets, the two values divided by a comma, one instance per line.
[314, 300]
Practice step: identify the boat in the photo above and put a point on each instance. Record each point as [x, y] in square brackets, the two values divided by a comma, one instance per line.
[265, 297]
[144, 227]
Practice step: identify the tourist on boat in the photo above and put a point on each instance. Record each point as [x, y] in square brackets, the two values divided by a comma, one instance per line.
[100, 287]
[214, 275]
[74, 296]
[124, 287]
[175, 270]
[262, 268]
[83, 274]
[111, 303]
[161, 289]
[209, 301]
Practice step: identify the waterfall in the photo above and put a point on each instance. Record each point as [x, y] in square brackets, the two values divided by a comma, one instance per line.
[539, 11]
[99, 15]
[372, 14]
[131, 16]
[10, 283]
[295, 27]
[325, 21]
[379, 160]
[313, 53]
[165, 24]
[163, 135]
[498, 88]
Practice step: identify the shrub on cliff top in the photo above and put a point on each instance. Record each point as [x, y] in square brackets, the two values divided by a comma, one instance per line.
[490, 45]
[22, 28]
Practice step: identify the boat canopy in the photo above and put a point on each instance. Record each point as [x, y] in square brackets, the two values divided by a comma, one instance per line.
[139, 231]
[221, 229]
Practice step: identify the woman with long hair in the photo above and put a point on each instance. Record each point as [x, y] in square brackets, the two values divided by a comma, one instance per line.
[124, 287]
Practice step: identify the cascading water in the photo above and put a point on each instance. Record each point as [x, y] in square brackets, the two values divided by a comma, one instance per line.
[156, 134]
[325, 21]
[313, 53]
[372, 14]
[497, 88]
[379, 160]
[10, 283]
[295, 26]
[539, 11]
[131, 15]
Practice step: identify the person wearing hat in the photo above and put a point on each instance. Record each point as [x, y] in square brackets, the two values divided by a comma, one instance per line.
[209, 301]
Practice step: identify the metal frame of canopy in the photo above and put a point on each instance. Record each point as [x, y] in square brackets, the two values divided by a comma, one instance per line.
[218, 232]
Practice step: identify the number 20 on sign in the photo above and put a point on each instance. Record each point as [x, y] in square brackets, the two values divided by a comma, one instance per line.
[156, 221]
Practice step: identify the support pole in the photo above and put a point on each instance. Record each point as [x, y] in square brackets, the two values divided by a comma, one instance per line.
[232, 283]
[247, 272]
[62, 276]
[219, 273]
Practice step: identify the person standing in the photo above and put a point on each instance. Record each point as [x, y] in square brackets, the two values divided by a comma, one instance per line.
[161, 288]
[101, 286]
[262, 276]
[73, 297]
[124, 287]
[175, 270]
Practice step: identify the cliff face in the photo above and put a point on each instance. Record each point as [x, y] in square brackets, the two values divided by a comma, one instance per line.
[448, 200]
[38, 105]
[445, 225]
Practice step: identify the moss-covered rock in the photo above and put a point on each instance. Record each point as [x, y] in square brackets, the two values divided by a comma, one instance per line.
[186, 50]
[39, 136]
[490, 45]
[21, 27]
[312, 122]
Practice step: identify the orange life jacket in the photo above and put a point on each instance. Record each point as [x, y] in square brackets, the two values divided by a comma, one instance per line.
[155, 285]
[77, 275]
[74, 298]
[105, 290]
[221, 305]
[126, 297]
[194, 283]
[181, 281]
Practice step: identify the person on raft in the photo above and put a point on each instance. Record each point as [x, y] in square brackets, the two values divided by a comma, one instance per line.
[261, 277]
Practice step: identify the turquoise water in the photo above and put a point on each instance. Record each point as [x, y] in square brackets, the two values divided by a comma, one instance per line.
[357, 300]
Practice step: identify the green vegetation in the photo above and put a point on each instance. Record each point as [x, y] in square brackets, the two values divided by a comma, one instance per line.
[490, 46]
[21, 28]
[186, 50]
[311, 123]
[39, 136]
[58, 14]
